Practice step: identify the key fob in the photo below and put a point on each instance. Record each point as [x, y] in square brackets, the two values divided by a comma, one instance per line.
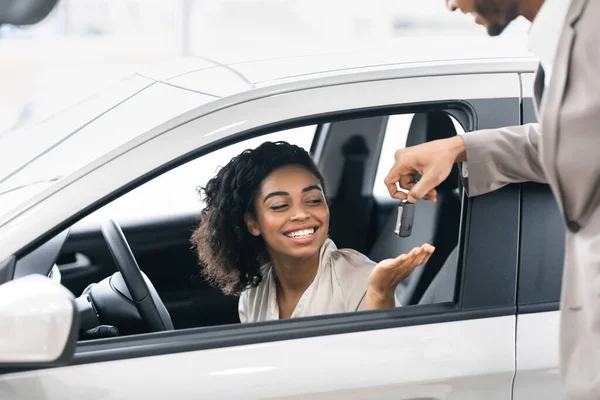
[405, 219]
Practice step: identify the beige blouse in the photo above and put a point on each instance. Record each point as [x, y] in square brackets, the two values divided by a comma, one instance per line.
[339, 286]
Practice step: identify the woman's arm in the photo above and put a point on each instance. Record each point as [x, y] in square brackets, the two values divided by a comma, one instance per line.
[389, 273]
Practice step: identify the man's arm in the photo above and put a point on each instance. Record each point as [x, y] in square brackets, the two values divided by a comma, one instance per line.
[497, 157]
[494, 158]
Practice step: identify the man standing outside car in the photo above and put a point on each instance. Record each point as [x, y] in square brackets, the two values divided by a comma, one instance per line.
[563, 150]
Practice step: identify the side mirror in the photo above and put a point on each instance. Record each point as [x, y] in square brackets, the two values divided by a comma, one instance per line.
[39, 323]
[25, 12]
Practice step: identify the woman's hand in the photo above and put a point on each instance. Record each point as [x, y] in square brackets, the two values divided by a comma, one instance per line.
[388, 273]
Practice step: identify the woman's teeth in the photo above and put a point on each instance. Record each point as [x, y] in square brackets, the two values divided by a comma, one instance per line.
[301, 234]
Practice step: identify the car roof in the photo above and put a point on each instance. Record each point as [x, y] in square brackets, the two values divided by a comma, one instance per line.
[227, 75]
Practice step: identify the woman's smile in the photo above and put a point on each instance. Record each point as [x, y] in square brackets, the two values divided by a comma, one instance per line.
[302, 235]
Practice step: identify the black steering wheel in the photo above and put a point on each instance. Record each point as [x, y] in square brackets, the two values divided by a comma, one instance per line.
[138, 288]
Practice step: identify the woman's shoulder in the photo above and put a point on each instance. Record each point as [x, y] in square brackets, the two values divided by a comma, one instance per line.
[345, 258]
[253, 292]
[356, 258]
[351, 270]
[347, 264]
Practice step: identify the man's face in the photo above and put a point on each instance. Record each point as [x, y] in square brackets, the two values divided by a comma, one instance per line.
[495, 15]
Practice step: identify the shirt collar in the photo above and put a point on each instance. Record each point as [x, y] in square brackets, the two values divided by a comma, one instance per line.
[545, 32]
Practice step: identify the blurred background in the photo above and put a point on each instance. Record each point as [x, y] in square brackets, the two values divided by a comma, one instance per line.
[84, 46]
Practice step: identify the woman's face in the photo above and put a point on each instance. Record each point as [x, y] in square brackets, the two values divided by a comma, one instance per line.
[291, 213]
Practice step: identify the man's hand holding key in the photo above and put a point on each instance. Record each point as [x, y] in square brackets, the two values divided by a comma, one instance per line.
[433, 161]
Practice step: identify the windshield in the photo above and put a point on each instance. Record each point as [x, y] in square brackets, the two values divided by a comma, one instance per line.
[36, 158]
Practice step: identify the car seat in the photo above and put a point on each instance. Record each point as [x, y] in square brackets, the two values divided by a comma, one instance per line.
[435, 223]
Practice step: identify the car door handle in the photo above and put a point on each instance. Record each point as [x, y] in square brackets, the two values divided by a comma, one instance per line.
[81, 261]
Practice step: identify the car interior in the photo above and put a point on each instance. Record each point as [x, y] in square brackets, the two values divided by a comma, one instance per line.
[143, 276]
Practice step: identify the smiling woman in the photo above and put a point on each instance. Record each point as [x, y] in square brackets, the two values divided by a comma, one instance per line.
[264, 235]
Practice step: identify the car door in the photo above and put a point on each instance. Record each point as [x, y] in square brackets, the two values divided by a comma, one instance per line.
[542, 248]
[461, 348]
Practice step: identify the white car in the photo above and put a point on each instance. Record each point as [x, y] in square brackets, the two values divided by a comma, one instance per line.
[479, 320]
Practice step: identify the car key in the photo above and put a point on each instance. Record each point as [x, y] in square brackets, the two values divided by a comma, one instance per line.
[405, 219]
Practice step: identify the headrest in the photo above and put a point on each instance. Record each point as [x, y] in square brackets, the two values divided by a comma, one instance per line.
[429, 126]
[355, 145]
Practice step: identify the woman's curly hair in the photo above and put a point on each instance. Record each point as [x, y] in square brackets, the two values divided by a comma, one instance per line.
[229, 255]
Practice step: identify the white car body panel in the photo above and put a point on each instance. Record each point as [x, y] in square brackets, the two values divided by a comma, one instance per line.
[18, 152]
[528, 81]
[111, 130]
[538, 374]
[308, 66]
[34, 328]
[471, 359]
[218, 81]
[188, 131]
[176, 67]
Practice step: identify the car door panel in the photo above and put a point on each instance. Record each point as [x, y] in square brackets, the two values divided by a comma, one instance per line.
[470, 359]
[538, 375]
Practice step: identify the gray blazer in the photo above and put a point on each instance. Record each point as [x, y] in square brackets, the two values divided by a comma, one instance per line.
[564, 151]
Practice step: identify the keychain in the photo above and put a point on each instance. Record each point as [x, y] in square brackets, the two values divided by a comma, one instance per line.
[405, 220]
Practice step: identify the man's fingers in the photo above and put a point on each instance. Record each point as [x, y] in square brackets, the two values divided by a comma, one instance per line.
[407, 181]
[400, 195]
[394, 192]
[391, 179]
[425, 186]
[392, 187]
[431, 196]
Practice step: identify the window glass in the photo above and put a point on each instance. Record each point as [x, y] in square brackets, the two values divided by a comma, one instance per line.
[175, 192]
[434, 223]
[395, 138]
[158, 237]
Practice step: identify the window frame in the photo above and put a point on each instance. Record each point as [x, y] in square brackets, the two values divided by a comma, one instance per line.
[468, 304]
[466, 307]
[541, 260]
[540, 226]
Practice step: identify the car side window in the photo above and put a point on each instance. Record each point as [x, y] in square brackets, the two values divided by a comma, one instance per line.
[435, 223]
[175, 192]
[395, 138]
[159, 217]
